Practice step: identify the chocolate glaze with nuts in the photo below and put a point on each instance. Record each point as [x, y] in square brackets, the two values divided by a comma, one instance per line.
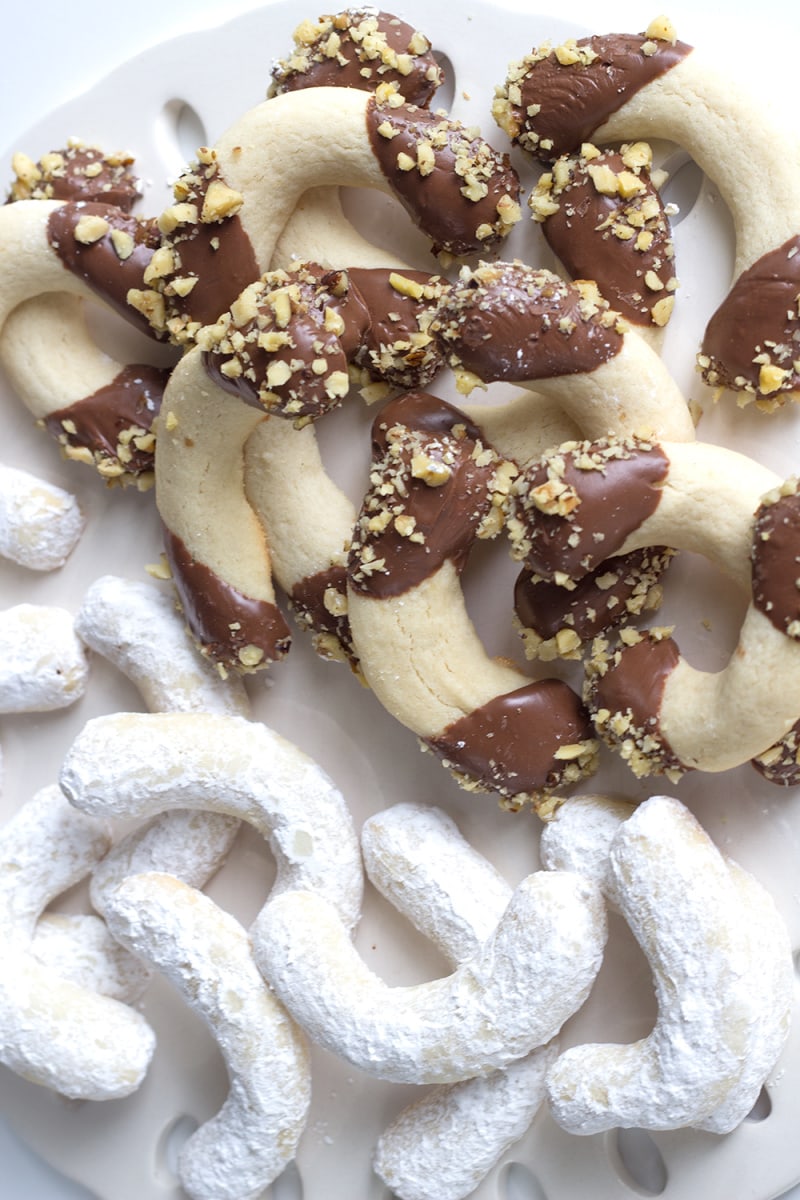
[426, 159]
[780, 764]
[225, 623]
[561, 106]
[361, 50]
[216, 253]
[78, 172]
[319, 603]
[511, 744]
[512, 322]
[757, 327]
[430, 489]
[105, 421]
[99, 263]
[622, 241]
[279, 350]
[625, 698]
[395, 345]
[614, 591]
[775, 560]
[313, 323]
[576, 508]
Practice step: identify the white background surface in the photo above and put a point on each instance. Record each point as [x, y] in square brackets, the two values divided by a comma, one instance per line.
[56, 50]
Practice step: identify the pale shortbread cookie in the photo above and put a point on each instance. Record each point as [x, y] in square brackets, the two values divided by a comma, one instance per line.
[135, 626]
[443, 1145]
[613, 496]
[206, 954]
[100, 411]
[40, 523]
[142, 764]
[510, 322]
[722, 970]
[548, 944]
[435, 486]
[619, 87]
[43, 663]
[215, 546]
[56, 1032]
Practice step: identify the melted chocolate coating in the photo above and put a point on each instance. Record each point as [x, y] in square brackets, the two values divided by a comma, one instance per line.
[562, 106]
[415, 430]
[775, 562]
[308, 602]
[358, 49]
[512, 322]
[101, 421]
[583, 233]
[433, 194]
[98, 264]
[633, 687]
[615, 498]
[614, 590]
[82, 173]
[222, 620]
[509, 745]
[760, 316]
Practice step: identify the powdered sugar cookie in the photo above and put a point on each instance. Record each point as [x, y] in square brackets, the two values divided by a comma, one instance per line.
[60, 1034]
[40, 523]
[547, 944]
[205, 953]
[43, 664]
[722, 971]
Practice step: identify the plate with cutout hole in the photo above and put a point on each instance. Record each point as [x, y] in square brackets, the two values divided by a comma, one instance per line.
[197, 85]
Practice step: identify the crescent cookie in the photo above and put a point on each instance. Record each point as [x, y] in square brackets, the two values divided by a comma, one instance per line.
[142, 764]
[205, 953]
[591, 500]
[69, 236]
[223, 583]
[56, 1032]
[435, 486]
[441, 1146]
[548, 944]
[722, 971]
[619, 87]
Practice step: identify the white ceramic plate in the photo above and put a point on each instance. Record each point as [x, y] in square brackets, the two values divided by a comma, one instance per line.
[161, 104]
